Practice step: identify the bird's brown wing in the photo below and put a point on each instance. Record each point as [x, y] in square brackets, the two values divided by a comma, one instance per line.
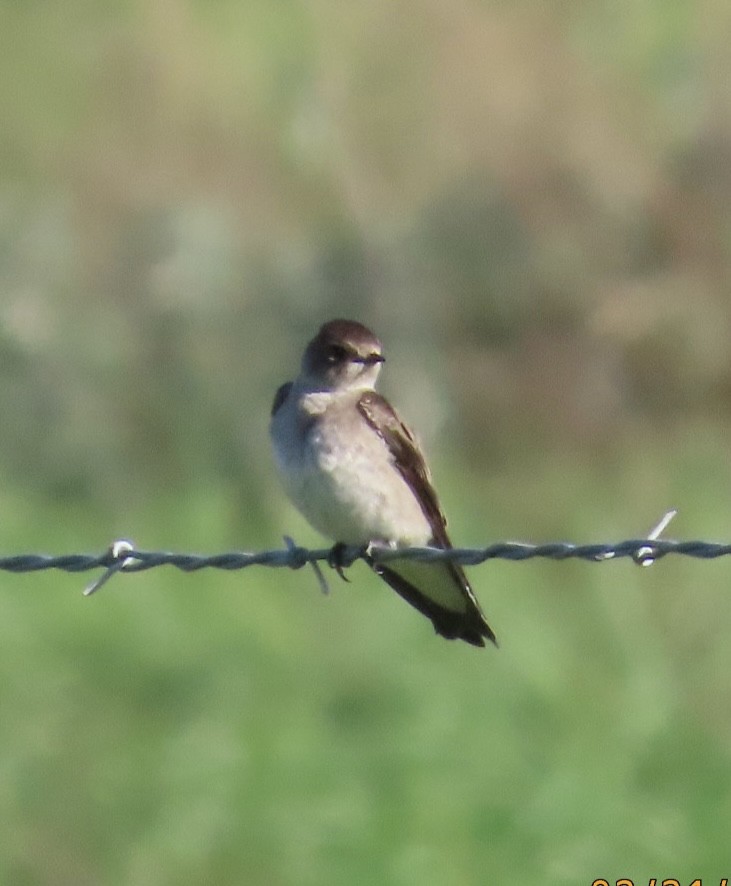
[407, 457]
[466, 622]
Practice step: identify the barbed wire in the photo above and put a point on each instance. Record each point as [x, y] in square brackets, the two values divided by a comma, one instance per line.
[123, 556]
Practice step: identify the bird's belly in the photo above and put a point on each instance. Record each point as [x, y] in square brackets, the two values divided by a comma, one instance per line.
[354, 494]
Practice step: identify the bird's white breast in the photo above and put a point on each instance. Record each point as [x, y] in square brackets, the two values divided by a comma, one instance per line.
[340, 474]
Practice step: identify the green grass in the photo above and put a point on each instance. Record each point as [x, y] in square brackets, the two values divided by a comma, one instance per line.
[242, 728]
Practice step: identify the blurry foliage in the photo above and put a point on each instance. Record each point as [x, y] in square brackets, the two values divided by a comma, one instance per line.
[188, 190]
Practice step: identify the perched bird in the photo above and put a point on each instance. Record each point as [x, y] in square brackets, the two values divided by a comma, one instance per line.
[355, 471]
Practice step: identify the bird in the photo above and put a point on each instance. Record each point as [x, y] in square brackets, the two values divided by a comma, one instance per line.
[357, 474]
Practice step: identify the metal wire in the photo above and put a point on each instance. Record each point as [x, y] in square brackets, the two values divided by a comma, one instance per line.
[296, 557]
[122, 555]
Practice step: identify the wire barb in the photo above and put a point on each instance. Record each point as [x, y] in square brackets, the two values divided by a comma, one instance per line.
[646, 556]
[319, 574]
[117, 554]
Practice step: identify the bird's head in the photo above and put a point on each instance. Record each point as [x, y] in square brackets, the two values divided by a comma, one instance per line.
[344, 355]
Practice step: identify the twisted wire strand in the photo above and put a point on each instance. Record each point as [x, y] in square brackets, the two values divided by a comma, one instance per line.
[129, 559]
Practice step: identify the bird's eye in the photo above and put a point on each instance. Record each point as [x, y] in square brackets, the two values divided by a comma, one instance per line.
[336, 354]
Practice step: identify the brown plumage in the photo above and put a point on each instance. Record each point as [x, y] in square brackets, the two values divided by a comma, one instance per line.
[356, 472]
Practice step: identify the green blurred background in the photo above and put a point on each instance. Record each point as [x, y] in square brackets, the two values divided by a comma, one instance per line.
[531, 205]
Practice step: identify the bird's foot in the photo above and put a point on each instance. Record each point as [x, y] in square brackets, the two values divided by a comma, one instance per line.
[341, 556]
[337, 559]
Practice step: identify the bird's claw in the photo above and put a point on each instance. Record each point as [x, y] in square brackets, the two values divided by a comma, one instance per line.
[341, 556]
[337, 560]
